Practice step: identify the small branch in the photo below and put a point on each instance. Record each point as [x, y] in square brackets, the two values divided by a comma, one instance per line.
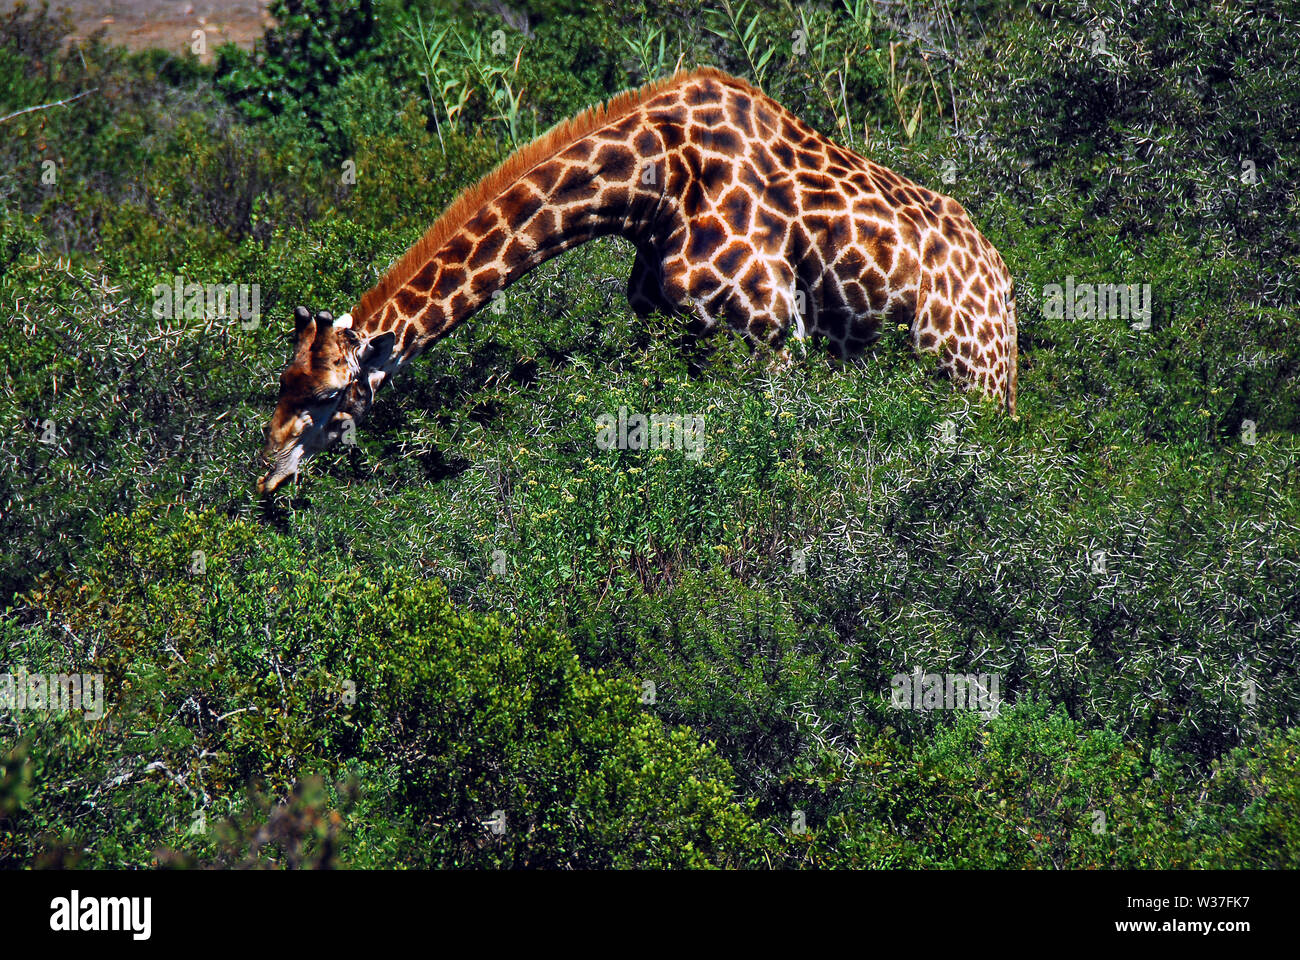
[46, 106]
[233, 712]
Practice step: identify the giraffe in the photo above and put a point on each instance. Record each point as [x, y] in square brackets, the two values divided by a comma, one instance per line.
[740, 213]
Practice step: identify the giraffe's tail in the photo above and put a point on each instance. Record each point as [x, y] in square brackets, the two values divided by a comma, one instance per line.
[1013, 351]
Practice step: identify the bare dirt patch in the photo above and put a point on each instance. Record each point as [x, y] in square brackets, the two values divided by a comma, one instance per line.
[165, 24]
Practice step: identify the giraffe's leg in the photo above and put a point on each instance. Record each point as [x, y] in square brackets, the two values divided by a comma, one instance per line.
[645, 294]
[756, 296]
[981, 357]
[782, 314]
[760, 301]
[971, 346]
[933, 331]
[692, 293]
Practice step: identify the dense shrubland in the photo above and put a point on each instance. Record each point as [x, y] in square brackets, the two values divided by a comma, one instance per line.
[475, 609]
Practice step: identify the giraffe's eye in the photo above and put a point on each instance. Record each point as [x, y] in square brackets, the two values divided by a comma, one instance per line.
[329, 396]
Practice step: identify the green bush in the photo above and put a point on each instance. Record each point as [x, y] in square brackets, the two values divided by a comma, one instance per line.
[230, 659]
[313, 45]
[1033, 789]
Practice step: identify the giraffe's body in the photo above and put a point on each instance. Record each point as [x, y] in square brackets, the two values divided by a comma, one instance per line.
[740, 214]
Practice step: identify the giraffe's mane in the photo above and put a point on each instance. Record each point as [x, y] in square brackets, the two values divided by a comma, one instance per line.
[549, 144]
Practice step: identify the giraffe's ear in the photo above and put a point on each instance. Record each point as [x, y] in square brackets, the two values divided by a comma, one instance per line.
[376, 350]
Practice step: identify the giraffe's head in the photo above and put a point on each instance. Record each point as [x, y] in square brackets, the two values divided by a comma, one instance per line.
[323, 391]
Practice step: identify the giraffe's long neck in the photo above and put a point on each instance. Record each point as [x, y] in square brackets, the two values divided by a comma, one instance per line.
[594, 186]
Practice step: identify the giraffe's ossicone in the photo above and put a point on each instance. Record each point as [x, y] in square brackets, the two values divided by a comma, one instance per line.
[739, 213]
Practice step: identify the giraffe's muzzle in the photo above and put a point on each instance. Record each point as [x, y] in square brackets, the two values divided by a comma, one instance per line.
[282, 466]
[282, 460]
